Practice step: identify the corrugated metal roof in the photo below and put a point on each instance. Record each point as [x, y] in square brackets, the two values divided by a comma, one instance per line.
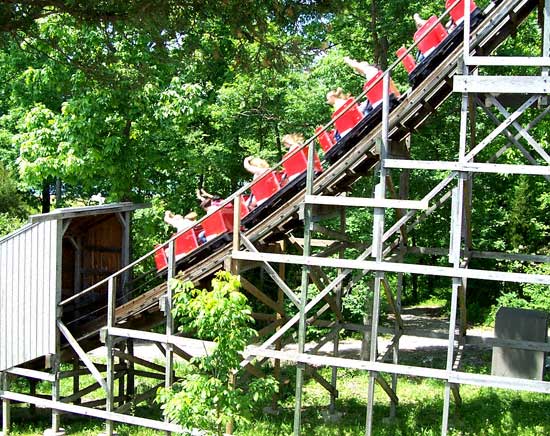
[73, 212]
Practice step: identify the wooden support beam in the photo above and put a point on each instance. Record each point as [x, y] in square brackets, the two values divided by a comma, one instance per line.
[391, 302]
[321, 380]
[271, 327]
[76, 396]
[314, 274]
[254, 370]
[147, 374]
[273, 274]
[150, 393]
[265, 316]
[139, 361]
[183, 354]
[363, 202]
[502, 84]
[85, 371]
[398, 267]
[260, 296]
[317, 276]
[81, 354]
[101, 414]
[386, 387]
[330, 233]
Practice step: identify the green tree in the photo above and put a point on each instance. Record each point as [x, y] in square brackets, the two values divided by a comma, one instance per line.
[204, 398]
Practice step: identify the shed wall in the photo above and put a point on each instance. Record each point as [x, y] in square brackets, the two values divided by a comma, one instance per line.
[29, 279]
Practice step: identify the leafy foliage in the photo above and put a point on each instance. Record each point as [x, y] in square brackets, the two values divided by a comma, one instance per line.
[109, 97]
[204, 398]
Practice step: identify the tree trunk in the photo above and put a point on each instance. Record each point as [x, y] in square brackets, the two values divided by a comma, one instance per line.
[45, 196]
[380, 43]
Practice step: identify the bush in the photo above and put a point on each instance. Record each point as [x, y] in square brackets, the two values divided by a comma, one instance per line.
[531, 295]
[204, 398]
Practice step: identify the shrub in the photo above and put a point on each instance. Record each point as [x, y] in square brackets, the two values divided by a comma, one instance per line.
[204, 397]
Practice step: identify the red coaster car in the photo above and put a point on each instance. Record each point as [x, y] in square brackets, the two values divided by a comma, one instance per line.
[375, 94]
[457, 13]
[266, 185]
[408, 61]
[296, 164]
[326, 138]
[350, 119]
[432, 39]
[218, 222]
[187, 241]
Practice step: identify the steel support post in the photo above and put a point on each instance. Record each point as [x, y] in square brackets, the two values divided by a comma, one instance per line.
[169, 349]
[124, 219]
[300, 368]
[456, 224]
[236, 233]
[378, 247]
[6, 406]
[279, 316]
[56, 394]
[466, 40]
[234, 268]
[56, 429]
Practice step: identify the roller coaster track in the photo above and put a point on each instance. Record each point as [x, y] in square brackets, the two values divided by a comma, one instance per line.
[500, 21]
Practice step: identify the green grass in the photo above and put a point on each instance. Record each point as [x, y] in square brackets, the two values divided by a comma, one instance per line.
[484, 412]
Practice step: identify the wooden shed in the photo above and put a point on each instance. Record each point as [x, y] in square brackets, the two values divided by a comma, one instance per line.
[57, 255]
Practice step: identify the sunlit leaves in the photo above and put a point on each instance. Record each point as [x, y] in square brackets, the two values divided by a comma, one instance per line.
[204, 398]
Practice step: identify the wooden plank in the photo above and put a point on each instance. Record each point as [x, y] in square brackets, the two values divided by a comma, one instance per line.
[330, 233]
[271, 327]
[261, 296]
[387, 388]
[391, 302]
[138, 360]
[147, 374]
[81, 354]
[365, 202]
[87, 390]
[31, 373]
[139, 398]
[477, 167]
[86, 411]
[498, 61]
[272, 273]
[502, 84]
[321, 380]
[398, 267]
[183, 354]
[158, 337]
[490, 342]
[522, 131]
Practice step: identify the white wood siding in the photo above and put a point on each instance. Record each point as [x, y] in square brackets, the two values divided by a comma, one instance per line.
[29, 282]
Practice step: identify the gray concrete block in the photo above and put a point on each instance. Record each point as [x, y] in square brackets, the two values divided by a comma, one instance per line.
[520, 325]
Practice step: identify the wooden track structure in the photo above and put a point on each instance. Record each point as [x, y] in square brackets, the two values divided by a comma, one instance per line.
[413, 110]
[374, 151]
